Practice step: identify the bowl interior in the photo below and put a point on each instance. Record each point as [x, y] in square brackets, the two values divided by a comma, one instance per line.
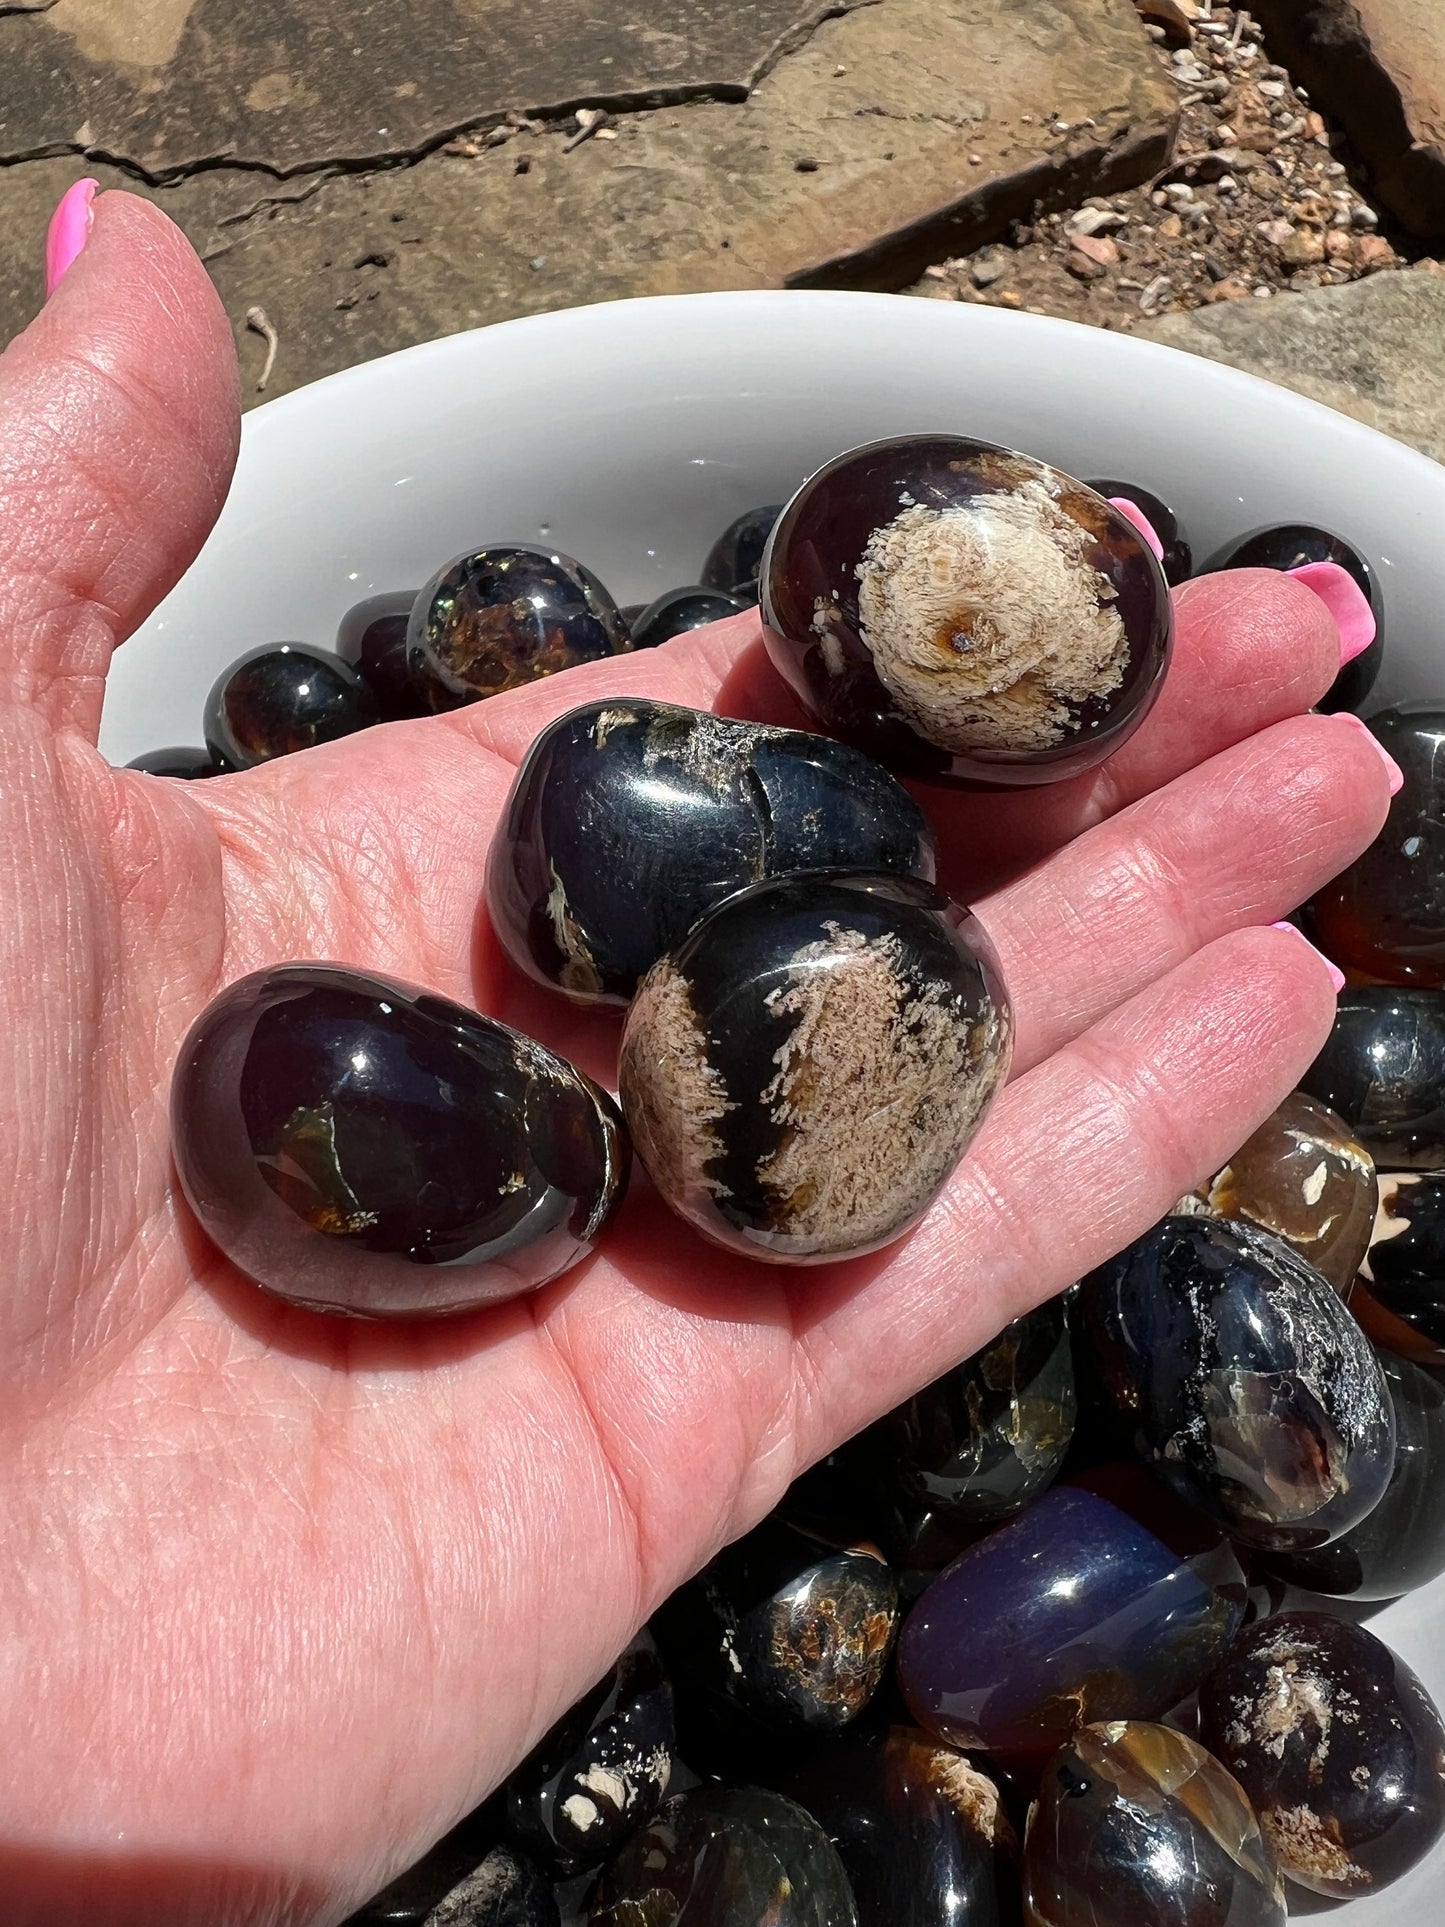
[630, 434]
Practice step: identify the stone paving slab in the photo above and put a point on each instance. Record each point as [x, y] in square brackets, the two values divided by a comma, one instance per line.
[898, 133]
[290, 84]
[1379, 66]
[1374, 349]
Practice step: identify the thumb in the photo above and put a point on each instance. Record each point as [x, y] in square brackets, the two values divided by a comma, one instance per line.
[119, 419]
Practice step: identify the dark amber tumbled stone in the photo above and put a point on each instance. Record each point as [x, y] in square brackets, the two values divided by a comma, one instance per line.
[678, 611]
[735, 558]
[964, 612]
[630, 819]
[1382, 1069]
[1384, 916]
[1338, 1746]
[372, 638]
[1243, 1380]
[1306, 1178]
[602, 1771]
[506, 615]
[979, 1444]
[733, 1856]
[359, 1145]
[803, 1072]
[1106, 1600]
[1400, 1543]
[189, 765]
[1178, 557]
[1399, 1295]
[922, 1832]
[284, 697]
[1137, 1826]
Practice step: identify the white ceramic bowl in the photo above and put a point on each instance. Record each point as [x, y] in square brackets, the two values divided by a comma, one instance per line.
[630, 434]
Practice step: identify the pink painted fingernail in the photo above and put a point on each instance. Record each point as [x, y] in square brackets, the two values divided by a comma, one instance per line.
[1396, 774]
[1337, 976]
[70, 227]
[1346, 602]
[1132, 512]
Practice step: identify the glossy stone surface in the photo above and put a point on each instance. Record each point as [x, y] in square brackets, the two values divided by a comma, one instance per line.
[1292, 545]
[982, 1442]
[189, 764]
[735, 560]
[1338, 1746]
[1178, 555]
[603, 1769]
[360, 1145]
[1248, 1386]
[1383, 1070]
[679, 610]
[1385, 915]
[1106, 1600]
[372, 638]
[726, 1857]
[964, 612]
[284, 697]
[794, 1630]
[1137, 1826]
[803, 1072]
[921, 1831]
[630, 819]
[469, 1879]
[1305, 1177]
[1401, 1543]
[1399, 1296]
[505, 615]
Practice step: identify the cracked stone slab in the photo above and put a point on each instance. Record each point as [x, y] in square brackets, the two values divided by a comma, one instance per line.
[899, 133]
[1379, 67]
[1374, 349]
[164, 85]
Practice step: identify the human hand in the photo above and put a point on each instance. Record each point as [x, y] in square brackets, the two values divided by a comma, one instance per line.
[289, 1595]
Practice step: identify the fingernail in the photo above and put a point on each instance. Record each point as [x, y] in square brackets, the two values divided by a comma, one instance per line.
[1346, 602]
[1132, 512]
[1396, 774]
[1337, 976]
[70, 227]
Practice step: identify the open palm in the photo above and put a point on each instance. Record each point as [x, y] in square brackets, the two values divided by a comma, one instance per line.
[285, 1596]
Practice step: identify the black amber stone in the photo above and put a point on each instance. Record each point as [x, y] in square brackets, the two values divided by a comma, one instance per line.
[1292, 545]
[980, 1443]
[1105, 1600]
[1385, 915]
[1137, 1826]
[727, 1857]
[602, 1770]
[1338, 1746]
[360, 1145]
[803, 1072]
[678, 610]
[1399, 1295]
[736, 558]
[189, 764]
[1304, 1176]
[790, 1629]
[1383, 1070]
[284, 697]
[1401, 1543]
[506, 615]
[454, 1887]
[1248, 1386]
[372, 638]
[1178, 555]
[630, 819]
[921, 1831]
[964, 612]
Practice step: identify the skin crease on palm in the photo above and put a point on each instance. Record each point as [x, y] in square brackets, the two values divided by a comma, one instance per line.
[285, 1596]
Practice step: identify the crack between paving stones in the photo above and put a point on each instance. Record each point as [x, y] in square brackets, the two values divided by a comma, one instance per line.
[331, 166]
